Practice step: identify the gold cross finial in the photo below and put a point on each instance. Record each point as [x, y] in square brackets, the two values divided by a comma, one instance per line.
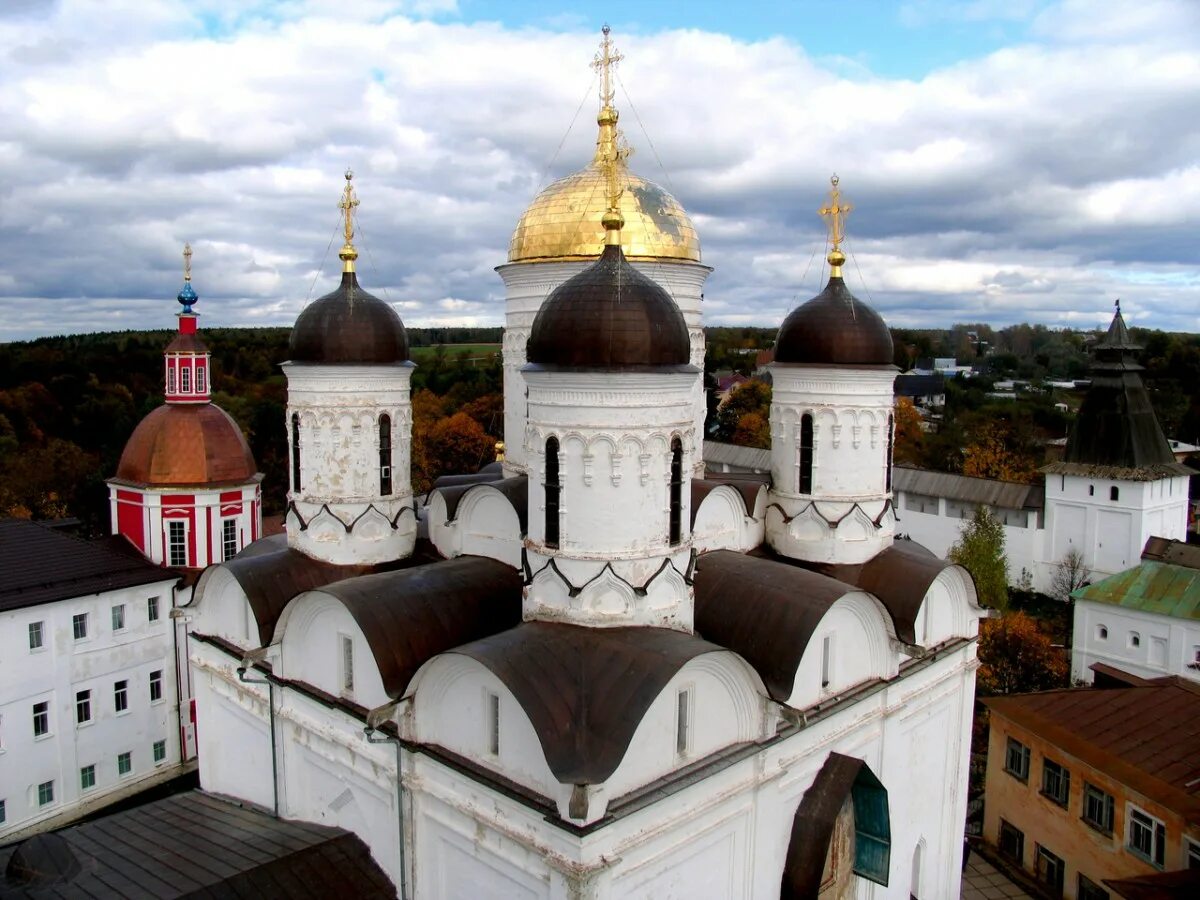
[834, 213]
[610, 149]
[606, 60]
[187, 262]
[348, 202]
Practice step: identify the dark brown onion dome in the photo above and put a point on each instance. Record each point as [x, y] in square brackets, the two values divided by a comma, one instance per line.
[187, 445]
[348, 326]
[609, 316]
[834, 328]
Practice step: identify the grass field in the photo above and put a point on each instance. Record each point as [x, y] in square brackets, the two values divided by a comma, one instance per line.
[454, 350]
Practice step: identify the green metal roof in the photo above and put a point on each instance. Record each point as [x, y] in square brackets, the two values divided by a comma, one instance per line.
[1151, 586]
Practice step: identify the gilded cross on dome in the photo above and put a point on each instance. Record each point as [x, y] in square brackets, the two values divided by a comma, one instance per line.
[348, 202]
[187, 262]
[606, 60]
[834, 212]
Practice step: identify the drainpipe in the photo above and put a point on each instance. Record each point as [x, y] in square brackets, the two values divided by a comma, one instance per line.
[255, 656]
[375, 718]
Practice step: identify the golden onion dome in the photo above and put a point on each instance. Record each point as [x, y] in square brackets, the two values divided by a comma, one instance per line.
[566, 220]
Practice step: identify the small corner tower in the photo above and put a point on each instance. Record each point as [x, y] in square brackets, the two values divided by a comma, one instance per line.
[349, 423]
[187, 491]
[832, 422]
[612, 440]
[562, 232]
[1118, 483]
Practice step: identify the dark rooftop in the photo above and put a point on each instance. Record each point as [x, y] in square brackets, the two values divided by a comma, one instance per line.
[191, 845]
[1144, 737]
[348, 326]
[834, 328]
[41, 565]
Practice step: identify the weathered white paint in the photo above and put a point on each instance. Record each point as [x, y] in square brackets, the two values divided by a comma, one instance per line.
[1105, 633]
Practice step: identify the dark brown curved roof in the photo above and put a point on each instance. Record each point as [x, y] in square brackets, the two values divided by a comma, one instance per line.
[515, 491]
[609, 316]
[763, 610]
[899, 576]
[747, 488]
[585, 689]
[834, 328]
[187, 445]
[411, 615]
[813, 824]
[348, 326]
[187, 343]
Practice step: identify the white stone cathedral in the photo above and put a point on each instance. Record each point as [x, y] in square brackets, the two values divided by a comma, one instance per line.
[593, 672]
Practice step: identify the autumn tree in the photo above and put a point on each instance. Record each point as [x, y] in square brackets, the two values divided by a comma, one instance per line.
[909, 447]
[753, 430]
[992, 454]
[980, 550]
[455, 445]
[751, 397]
[1016, 657]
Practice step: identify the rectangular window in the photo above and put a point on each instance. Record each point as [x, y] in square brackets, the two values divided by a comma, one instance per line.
[41, 719]
[1191, 854]
[199, 379]
[87, 778]
[493, 723]
[152, 609]
[170, 379]
[1056, 782]
[156, 685]
[1147, 837]
[45, 793]
[1016, 760]
[118, 617]
[1048, 868]
[229, 538]
[121, 696]
[3, 812]
[83, 707]
[826, 661]
[1012, 842]
[1089, 890]
[185, 380]
[176, 544]
[160, 751]
[35, 636]
[124, 763]
[683, 725]
[79, 625]
[347, 662]
[1097, 808]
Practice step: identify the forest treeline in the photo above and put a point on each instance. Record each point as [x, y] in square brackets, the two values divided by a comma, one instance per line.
[68, 404]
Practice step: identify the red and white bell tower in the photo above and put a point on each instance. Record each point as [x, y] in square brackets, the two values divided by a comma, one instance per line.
[187, 492]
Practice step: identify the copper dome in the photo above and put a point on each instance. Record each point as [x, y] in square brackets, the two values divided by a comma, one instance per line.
[609, 316]
[187, 445]
[348, 326]
[834, 328]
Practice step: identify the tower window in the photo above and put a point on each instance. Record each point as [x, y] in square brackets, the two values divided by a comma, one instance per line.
[296, 452]
[493, 723]
[347, 661]
[891, 437]
[826, 661]
[683, 724]
[806, 454]
[553, 492]
[185, 380]
[170, 379]
[385, 454]
[1114, 493]
[176, 544]
[676, 491]
[229, 538]
[199, 379]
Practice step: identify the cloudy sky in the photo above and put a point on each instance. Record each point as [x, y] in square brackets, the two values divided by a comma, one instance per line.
[1009, 160]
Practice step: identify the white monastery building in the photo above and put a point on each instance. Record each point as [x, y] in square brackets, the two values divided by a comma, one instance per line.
[589, 672]
[1118, 485]
[89, 690]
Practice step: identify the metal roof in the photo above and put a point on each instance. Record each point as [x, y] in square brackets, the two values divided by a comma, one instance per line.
[733, 455]
[1145, 737]
[1150, 586]
[190, 845]
[41, 565]
[964, 488]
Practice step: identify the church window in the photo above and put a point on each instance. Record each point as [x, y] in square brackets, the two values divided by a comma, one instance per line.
[176, 544]
[347, 662]
[295, 452]
[170, 379]
[1114, 493]
[1102, 632]
[676, 491]
[1135, 639]
[36, 637]
[553, 492]
[683, 724]
[806, 454]
[199, 379]
[493, 723]
[229, 538]
[891, 437]
[185, 380]
[385, 455]
[826, 661]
